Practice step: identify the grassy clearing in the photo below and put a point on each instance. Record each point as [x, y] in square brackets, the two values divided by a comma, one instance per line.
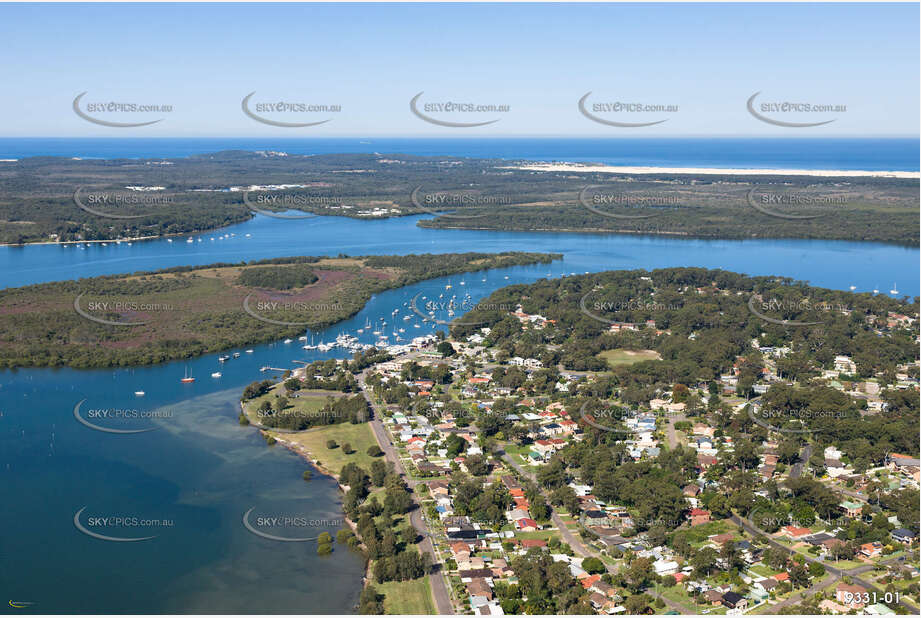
[314, 441]
[616, 358]
[307, 402]
[762, 570]
[412, 597]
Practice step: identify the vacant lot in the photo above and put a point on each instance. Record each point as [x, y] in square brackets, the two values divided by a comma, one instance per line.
[410, 597]
[314, 442]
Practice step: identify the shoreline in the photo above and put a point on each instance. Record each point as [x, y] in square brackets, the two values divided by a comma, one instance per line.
[114, 241]
[707, 171]
[307, 456]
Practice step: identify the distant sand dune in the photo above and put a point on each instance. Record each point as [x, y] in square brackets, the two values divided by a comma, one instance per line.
[612, 169]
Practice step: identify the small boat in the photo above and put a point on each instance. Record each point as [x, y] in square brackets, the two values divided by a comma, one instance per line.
[287, 341]
[894, 289]
[302, 338]
[169, 240]
[853, 287]
[216, 374]
[236, 355]
[249, 351]
[190, 240]
[222, 358]
[249, 235]
[139, 393]
[188, 379]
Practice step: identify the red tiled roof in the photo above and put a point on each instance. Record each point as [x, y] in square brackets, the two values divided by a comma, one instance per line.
[526, 522]
[533, 543]
[591, 580]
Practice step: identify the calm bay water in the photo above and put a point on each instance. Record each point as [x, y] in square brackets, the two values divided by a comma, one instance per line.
[833, 264]
[201, 471]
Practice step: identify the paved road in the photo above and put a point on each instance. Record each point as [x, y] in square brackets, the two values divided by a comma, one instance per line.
[799, 596]
[797, 470]
[670, 432]
[853, 494]
[578, 547]
[571, 539]
[437, 583]
[854, 573]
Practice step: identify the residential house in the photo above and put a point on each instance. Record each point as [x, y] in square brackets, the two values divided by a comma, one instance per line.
[851, 509]
[526, 524]
[852, 596]
[734, 600]
[871, 550]
[903, 536]
[699, 516]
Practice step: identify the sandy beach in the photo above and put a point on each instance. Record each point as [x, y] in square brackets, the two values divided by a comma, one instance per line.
[612, 169]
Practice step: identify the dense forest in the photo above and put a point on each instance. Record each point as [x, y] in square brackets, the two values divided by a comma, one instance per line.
[206, 192]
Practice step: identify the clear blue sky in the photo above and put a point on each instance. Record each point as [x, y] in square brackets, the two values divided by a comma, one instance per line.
[537, 58]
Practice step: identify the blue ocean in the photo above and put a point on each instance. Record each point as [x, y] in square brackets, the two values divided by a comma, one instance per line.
[873, 154]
